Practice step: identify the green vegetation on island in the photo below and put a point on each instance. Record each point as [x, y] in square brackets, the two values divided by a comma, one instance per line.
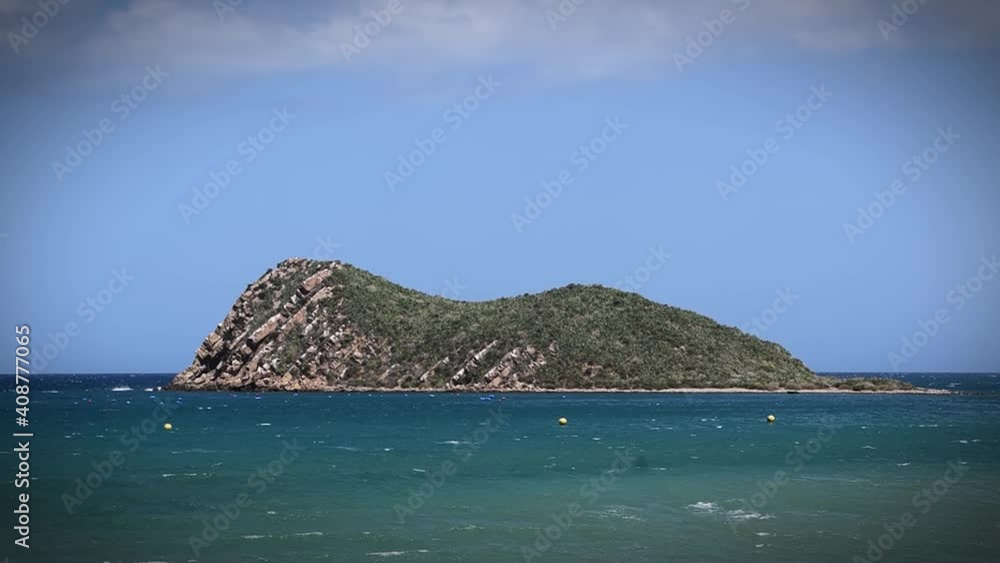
[309, 325]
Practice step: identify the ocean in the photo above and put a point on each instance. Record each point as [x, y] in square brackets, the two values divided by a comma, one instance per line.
[466, 477]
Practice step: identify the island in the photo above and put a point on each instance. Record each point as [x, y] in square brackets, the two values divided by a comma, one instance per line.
[310, 325]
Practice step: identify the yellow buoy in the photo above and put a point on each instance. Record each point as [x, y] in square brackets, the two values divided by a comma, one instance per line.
[168, 426]
[563, 422]
[770, 418]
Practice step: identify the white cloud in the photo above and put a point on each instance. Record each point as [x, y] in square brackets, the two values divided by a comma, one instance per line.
[602, 38]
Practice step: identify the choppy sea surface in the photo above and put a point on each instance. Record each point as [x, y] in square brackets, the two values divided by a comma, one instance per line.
[467, 477]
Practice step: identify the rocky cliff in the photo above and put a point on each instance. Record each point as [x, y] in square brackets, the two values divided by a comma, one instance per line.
[321, 326]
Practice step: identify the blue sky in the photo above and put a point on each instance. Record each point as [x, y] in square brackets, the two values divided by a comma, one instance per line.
[204, 92]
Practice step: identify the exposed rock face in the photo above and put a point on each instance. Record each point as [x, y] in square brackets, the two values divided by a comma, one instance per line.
[326, 326]
[303, 345]
[299, 346]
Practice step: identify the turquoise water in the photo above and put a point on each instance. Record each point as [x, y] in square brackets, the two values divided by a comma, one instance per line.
[399, 478]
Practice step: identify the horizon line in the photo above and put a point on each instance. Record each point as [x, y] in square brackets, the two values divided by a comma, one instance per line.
[849, 372]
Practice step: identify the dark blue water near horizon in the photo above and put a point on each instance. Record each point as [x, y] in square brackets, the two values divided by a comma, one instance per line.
[955, 381]
[450, 477]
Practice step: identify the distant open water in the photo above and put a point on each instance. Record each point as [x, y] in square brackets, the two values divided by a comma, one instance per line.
[438, 478]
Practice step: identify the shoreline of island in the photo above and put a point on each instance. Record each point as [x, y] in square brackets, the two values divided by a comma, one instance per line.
[676, 390]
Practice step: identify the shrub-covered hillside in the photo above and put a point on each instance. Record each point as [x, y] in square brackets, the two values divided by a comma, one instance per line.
[309, 325]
